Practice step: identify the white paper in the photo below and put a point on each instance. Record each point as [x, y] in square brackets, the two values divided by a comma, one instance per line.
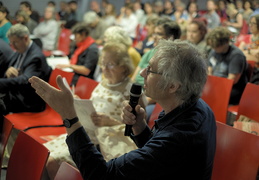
[53, 61]
[84, 109]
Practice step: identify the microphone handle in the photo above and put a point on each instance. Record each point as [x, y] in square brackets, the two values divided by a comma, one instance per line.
[128, 128]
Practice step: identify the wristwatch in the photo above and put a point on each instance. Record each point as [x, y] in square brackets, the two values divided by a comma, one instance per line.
[69, 122]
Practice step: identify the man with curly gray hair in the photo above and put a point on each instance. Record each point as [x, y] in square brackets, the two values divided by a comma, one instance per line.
[183, 141]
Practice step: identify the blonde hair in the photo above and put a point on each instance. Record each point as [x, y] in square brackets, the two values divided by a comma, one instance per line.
[117, 34]
[120, 53]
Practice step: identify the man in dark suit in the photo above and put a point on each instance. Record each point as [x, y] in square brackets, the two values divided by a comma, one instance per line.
[27, 61]
[6, 53]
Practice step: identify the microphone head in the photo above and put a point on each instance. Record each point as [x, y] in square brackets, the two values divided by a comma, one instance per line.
[136, 90]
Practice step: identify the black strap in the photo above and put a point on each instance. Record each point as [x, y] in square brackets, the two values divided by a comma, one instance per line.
[42, 126]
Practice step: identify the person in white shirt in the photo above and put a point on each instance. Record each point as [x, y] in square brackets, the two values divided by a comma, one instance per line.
[47, 30]
[128, 20]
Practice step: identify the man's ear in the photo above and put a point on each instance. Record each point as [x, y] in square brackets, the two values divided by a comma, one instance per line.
[174, 87]
[26, 38]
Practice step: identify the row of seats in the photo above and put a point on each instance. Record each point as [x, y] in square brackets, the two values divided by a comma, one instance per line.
[228, 138]
[63, 43]
[49, 122]
[27, 149]
[216, 94]
[236, 156]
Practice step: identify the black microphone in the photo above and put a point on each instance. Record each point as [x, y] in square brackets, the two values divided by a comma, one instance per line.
[135, 93]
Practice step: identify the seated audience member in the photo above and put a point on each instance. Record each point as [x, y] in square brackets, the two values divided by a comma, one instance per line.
[193, 11]
[6, 53]
[23, 18]
[239, 6]
[118, 34]
[235, 20]
[168, 8]
[222, 10]
[254, 29]
[144, 46]
[47, 30]
[64, 11]
[158, 7]
[26, 6]
[165, 28]
[94, 6]
[128, 20]
[226, 60]
[5, 24]
[184, 139]
[212, 17]
[149, 10]
[85, 56]
[53, 5]
[74, 15]
[180, 15]
[107, 98]
[256, 7]
[139, 12]
[109, 16]
[248, 11]
[97, 26]
[27, 61]
[196, 32]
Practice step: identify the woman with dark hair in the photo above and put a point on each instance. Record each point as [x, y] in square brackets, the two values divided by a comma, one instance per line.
[196, 32]
[192, 9]
[247, 11]
[85, 56]
[253, 42]
[5, 24]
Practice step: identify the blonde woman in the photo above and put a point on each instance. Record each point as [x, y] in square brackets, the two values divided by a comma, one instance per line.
[119, 35]
[107, 98]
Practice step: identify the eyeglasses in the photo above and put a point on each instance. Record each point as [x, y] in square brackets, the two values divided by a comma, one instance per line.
[148, 71]
[108, 65]
[252, 23]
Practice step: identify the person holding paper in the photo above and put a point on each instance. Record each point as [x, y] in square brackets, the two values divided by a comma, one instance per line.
[107, 99]
[85, 56]
[182, 143]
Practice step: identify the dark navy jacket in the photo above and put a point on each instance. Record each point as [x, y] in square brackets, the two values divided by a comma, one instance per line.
[182, 146]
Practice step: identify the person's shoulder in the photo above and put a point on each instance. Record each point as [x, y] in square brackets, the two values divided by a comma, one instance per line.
[203, 110]
[93, 47]
[236, 51]
[7, 25]
[132, 50]
[195, 115]
[35, 50]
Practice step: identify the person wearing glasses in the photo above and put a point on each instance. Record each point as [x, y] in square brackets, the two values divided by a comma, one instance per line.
[165, 28]
[254, 38]
[107, 98]
[27, 61]
[182, 142]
